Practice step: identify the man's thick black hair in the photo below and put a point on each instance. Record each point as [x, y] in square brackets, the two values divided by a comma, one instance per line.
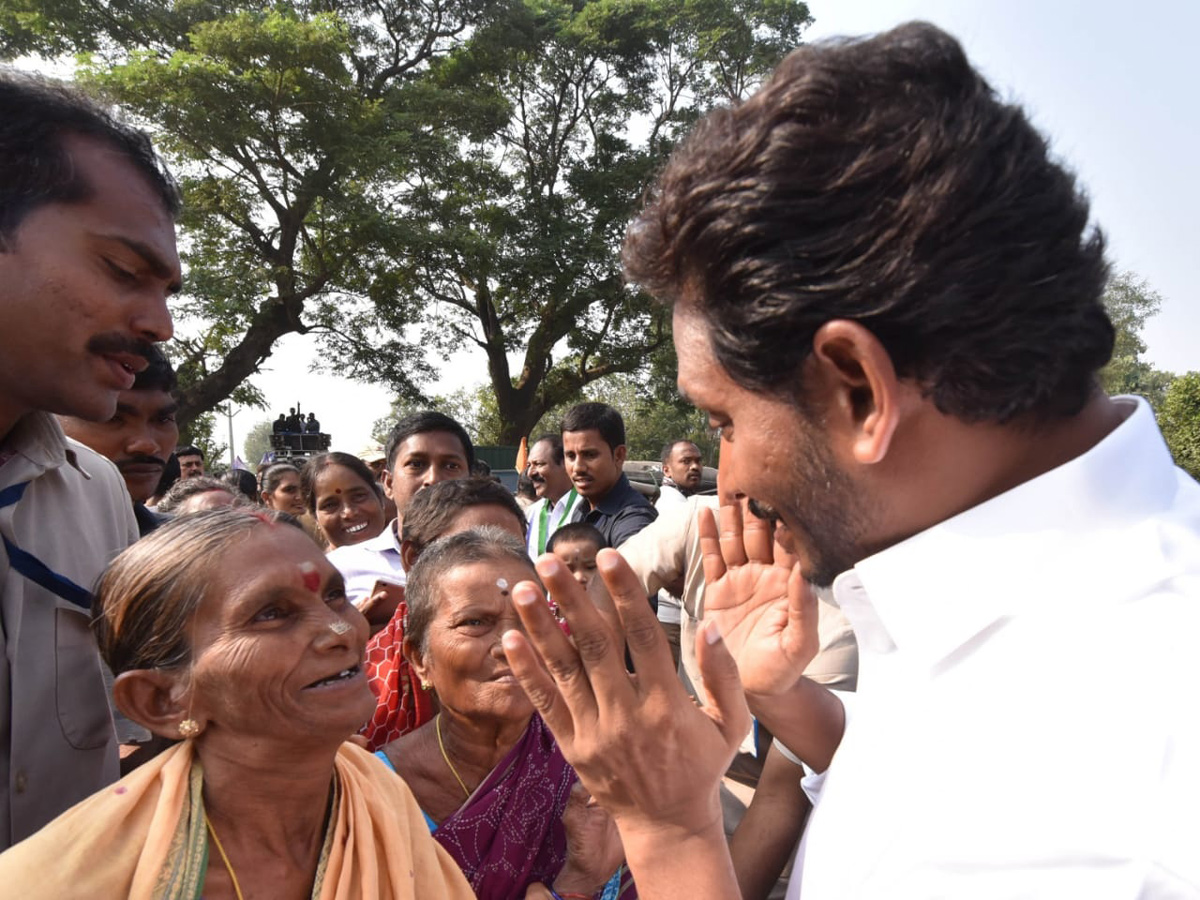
[189, 450]
[36, 114]
[596, 417]
[883, 181]
[555, 442]
[421, 423]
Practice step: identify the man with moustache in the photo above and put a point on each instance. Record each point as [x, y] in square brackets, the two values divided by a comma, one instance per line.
[887, 296]
[682, 467]
[556, 497]
[87, 261]
[139, 437]
[593, 436]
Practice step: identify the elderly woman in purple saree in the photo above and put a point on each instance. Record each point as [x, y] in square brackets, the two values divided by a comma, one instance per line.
[487, 773]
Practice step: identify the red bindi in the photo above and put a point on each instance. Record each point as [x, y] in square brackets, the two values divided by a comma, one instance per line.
[310, 576]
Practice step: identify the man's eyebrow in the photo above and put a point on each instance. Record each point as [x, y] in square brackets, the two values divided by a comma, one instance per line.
[150, 256]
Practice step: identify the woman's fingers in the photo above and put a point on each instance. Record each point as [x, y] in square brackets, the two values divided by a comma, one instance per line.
[597, 659]
[644, 634]
[722, 687]
[546, 665]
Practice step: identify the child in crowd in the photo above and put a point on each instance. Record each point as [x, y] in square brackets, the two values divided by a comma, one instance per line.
[576, 546]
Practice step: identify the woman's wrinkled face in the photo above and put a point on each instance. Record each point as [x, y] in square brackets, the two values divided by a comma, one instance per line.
[286, 497]
[277, 648]
[348, 509]
[464, 661]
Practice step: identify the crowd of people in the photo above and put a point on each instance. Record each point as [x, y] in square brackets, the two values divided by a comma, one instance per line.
[940, 603]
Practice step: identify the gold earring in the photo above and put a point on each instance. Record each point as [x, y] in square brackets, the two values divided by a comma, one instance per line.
[189, 728]
[425, 685]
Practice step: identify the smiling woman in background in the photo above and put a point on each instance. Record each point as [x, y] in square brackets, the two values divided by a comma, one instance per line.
[281, 489]
[233, 635]
[341, 493]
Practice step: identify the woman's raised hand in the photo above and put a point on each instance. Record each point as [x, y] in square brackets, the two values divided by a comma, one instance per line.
[756, 596]
[641, 747]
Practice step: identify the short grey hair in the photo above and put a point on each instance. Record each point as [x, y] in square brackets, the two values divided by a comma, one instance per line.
[423, 593]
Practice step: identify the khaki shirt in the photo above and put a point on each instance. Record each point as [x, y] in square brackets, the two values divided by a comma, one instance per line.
[57, 743]
[670, 546]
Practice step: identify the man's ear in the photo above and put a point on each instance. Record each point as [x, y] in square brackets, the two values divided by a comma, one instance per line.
[408, 555]
[620, 453]
[154, 698]
[387, 483]
[863, 397]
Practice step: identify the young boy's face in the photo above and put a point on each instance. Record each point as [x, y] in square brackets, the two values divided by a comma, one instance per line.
[579, 557]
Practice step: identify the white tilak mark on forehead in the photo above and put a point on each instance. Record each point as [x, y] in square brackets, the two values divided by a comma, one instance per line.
[502, 584]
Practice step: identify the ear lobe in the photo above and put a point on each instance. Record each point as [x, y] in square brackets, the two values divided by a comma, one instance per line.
[387, 483]
[153, 698]
[413, 654]
[864, 386]
[620, 453]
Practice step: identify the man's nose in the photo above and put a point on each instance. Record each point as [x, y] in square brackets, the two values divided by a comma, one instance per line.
[152, 319]
[143, 443]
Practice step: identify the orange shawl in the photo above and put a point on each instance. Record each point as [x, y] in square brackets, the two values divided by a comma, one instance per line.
[144, 838]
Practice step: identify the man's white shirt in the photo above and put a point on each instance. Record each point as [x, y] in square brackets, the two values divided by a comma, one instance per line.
[560, 514]
[1026, 723]
[362, 564]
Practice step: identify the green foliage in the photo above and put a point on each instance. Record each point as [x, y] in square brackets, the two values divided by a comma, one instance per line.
[257, 441]
[514, 246]
[1179, 419]
[200, 432]
[294, 129]
[355, 168]
[1130, 302]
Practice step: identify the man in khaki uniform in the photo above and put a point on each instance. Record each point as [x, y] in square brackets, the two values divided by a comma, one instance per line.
[87, 260]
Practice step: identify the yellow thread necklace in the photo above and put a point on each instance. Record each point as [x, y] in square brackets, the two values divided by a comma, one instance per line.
[437, 726]
[237, 889]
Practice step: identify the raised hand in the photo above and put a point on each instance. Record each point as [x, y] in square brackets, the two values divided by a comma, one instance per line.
[645, 752]
[757, 597]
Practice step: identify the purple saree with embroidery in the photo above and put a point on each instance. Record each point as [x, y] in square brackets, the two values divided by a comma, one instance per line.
[509, 834]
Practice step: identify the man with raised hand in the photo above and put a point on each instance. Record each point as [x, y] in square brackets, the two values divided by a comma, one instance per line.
[887, 297]
[87, 260]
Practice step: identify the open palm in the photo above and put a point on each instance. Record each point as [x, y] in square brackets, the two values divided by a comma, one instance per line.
[756, 595]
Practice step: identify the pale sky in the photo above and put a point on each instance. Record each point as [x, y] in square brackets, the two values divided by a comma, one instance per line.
[1110, 83]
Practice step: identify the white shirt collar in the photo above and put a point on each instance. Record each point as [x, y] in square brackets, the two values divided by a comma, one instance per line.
[936, 590]
[384, 541]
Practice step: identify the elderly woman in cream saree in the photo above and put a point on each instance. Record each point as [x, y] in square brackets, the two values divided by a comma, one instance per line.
[231, 633]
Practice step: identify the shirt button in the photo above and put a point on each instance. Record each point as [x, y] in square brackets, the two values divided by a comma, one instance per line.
[21, 782]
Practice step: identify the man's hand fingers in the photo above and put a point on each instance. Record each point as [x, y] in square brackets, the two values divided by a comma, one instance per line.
[758, 537]
[733, 547]
[710, 546]
[726, 701]
[803, 617]
[644, 635]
